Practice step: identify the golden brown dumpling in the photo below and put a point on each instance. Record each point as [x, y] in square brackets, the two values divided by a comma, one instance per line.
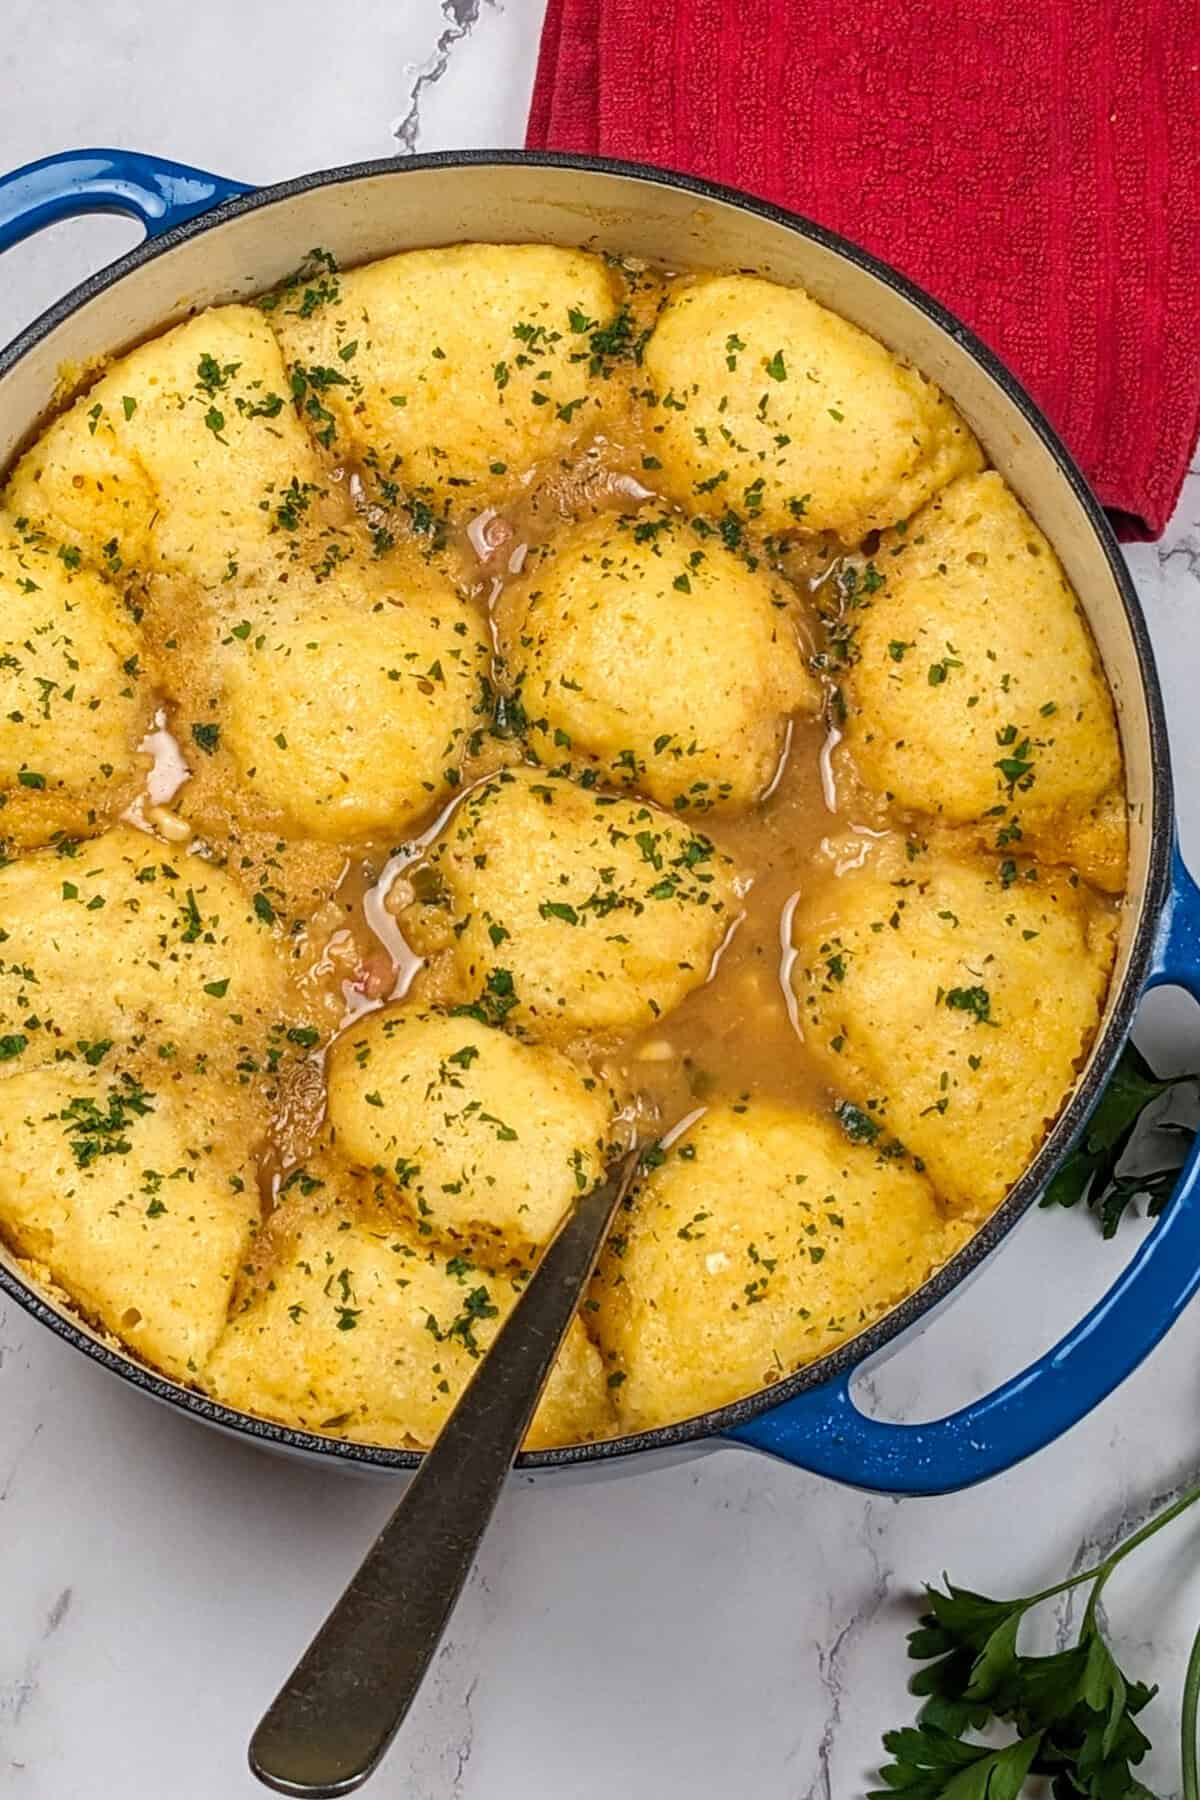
[972, 688]
[954, 1004]
[74, 699]
[1096, 842]
[186, 456]
[126, 938]
[456, 369]
[134, 1190]
[475, 1133]
[655, 655]
[760, 1239]
[346, 704]
[359, 1329]
[772, 407]
[564, 910]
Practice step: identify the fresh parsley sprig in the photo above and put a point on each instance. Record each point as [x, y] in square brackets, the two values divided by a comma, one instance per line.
[1135, 1103]
[1073, 1712]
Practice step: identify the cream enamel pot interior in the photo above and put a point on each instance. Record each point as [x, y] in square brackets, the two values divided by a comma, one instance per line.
[210, 240]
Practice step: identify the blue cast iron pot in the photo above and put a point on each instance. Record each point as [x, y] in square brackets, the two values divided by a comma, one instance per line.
[211, 240]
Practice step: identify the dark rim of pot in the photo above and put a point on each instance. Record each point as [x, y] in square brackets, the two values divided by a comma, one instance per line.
[1070, 1121]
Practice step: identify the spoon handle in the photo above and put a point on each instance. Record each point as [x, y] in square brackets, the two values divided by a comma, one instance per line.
[334, 1717]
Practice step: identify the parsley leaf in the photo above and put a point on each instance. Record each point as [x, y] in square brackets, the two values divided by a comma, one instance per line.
[1073, 1713]
[934, 1764]
[1135, 1102]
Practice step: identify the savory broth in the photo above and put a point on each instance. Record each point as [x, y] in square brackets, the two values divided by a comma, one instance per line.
[726, 1039]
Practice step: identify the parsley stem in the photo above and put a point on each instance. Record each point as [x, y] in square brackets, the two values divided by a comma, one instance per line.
[1105, 1569]
[1191, 1699]
[1100, 1572]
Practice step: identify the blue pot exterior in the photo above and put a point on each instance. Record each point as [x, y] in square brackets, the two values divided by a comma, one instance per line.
[810, 1419]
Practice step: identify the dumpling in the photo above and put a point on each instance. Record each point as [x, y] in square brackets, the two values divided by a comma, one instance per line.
[186, 457]
[973, 691]
[657, 657]
[476, 1133]
[953, 1004]
[564, 910]
[137, 1192]
[74, 698]
[359, 1329]
[346, 704]
[759, 1240]
[1096, 842]
[773, 408]
[456, 369]
[124, 938]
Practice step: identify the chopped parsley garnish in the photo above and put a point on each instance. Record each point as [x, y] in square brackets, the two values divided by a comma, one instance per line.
[495, 1003]
[476, 1305]
[858, 1126]
[1017, 767]
[93, 1133]
[973, 1000]
[558, 909]
[208, 737]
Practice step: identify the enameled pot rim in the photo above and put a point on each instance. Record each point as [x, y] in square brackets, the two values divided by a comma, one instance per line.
[1025, 1191]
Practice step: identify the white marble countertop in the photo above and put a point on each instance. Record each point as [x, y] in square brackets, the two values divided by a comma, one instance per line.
[717, 1627]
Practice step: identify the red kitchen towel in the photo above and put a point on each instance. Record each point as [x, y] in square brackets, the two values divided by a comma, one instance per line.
[1035, 164]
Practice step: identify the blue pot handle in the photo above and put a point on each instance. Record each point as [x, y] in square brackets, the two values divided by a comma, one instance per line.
[824, 1431]
[149, 188]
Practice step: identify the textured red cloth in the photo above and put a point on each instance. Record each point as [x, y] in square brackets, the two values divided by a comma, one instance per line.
[1035, 164]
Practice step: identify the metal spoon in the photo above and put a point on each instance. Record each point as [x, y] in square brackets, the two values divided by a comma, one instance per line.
[329, 1725]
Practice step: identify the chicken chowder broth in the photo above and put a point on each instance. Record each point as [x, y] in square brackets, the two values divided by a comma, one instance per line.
[462, 715]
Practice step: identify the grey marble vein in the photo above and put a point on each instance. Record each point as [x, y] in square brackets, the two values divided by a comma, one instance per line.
[1186, 552]
[58, 1612]
[461, 16]
[14, 1467]
[17, 1694]
[1120, 1522]
[465, 1745]
[833, 1656]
